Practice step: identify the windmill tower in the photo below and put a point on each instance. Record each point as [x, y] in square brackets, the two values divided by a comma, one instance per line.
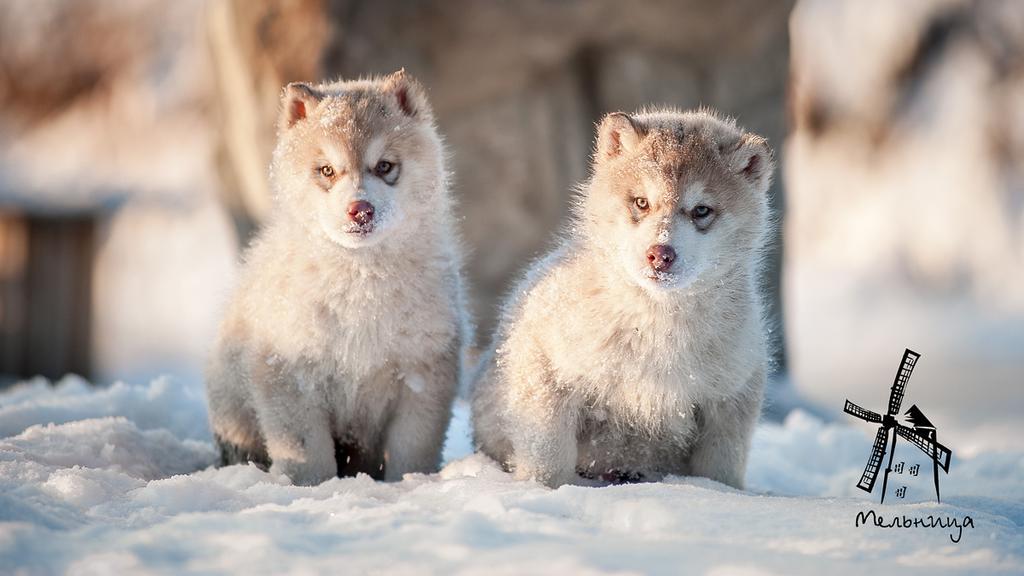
[924, 427]
[923, 435]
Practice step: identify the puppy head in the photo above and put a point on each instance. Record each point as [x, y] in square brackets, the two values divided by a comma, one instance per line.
[677, 197]
[358, 161]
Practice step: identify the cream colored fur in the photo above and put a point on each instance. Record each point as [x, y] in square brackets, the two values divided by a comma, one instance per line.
[335, 336]
[602, 366]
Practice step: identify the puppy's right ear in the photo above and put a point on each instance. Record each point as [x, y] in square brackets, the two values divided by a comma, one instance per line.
[298, 101]
[619, 133]
[753, 160]
[410, 96]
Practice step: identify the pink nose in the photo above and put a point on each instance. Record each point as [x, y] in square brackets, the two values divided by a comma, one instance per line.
[360, 212]
[661, 257]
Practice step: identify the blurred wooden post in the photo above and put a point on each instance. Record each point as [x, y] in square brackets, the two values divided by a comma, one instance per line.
[45, 295]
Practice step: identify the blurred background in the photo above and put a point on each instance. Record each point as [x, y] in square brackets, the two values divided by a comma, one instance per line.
[135, 139]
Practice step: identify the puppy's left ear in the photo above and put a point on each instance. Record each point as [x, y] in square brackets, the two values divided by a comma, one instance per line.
[753, 160]
[617, 134]
[409, 95]
[298, 100]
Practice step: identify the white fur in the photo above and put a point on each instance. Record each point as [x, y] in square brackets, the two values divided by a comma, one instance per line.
[336, 336]
[602, 365]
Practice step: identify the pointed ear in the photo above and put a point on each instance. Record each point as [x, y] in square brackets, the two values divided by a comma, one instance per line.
[409, 95]
[618, 133]
[298, 101]
[753, 160]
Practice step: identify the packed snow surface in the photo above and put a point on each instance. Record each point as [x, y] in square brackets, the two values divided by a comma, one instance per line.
[120, 480]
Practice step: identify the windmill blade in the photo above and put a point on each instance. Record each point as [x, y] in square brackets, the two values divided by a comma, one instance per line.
[862, 413]
[933, 449]
[867, 480]
[899, 384]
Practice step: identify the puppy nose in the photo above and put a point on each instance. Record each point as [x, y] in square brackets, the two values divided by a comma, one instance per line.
[661, 257]
[360, 212]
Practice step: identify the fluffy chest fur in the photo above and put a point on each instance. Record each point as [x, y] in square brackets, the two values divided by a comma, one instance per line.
[638, 362]
[351, 316]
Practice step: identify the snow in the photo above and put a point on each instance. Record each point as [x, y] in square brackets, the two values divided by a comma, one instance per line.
[120, 480]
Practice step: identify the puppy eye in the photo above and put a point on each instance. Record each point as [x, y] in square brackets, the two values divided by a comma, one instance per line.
[383, 168]
[386, 171]
[327, 171]
[641, 203]
[701, 211]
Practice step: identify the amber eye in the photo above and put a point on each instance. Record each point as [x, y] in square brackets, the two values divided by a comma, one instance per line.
[383, 168]
[641, 203]
[327, 171]
[701, 211]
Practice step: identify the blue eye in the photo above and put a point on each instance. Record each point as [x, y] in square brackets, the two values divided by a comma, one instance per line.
[701, 211]
[383, 168]
[387, 171]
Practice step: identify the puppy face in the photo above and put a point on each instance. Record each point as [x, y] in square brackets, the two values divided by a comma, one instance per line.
[358, 161]
[677, 197]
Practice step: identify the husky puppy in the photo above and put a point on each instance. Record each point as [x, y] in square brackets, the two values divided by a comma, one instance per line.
[636, 349]
[341, 348]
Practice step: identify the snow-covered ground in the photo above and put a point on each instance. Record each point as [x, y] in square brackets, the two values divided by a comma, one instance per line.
[119, 480]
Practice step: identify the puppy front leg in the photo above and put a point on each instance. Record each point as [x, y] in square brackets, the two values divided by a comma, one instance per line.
[542, 423]
[545, 445]
[726, 430]
[415, 436]
[297, 431]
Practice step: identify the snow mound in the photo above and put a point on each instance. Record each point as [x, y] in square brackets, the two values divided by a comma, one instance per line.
[162, 403]
[121, 480]
[111, 444]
